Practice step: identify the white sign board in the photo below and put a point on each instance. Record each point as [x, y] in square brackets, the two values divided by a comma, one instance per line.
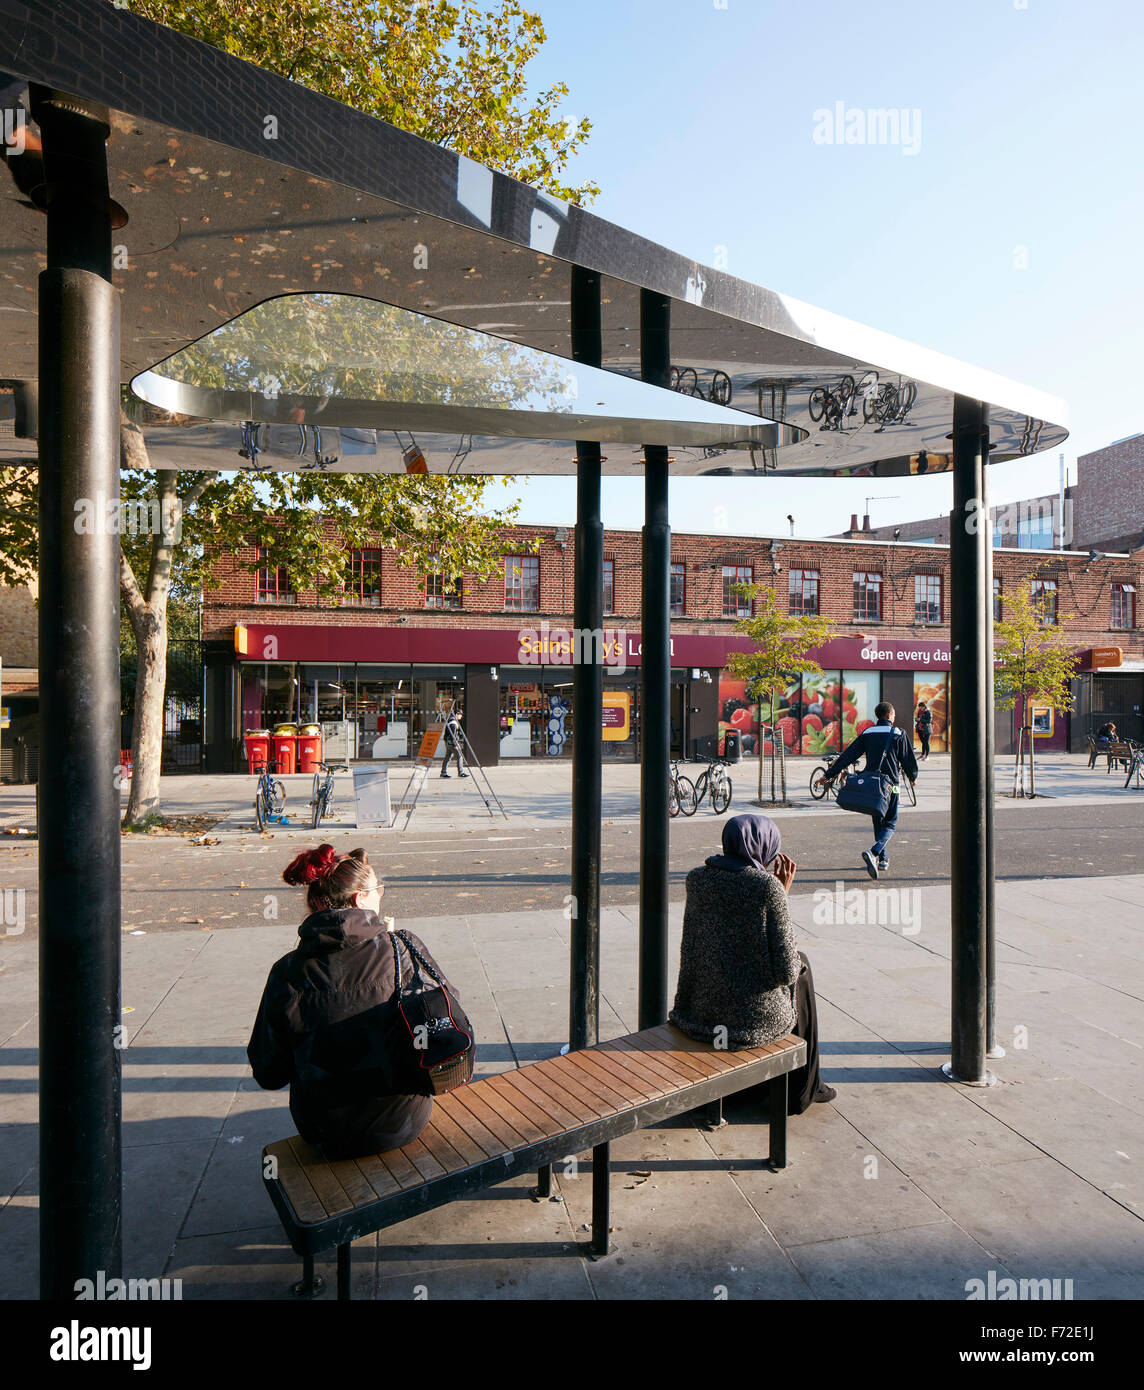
[371, 796]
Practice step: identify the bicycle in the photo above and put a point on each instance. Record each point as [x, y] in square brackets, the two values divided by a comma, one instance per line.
[685, 380]
[269, 796]
[323, 793]
[820, 784]
[714, 782]
[833, 403]
[680, 793]
[1135, 765]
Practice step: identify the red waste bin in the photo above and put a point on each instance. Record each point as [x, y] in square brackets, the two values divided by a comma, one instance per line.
[257, 749]
[309, 747]
[285, 751]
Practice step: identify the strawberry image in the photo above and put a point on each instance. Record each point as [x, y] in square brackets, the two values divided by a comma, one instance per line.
[812, 721]
[789, 729]
[809, 744]
[830, 733]
[863, 725]
[849, 713]
[829, 709]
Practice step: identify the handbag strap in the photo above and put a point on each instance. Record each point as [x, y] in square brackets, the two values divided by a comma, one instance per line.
[418, 960]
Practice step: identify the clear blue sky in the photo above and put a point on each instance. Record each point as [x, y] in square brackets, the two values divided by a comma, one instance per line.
[1031, 137]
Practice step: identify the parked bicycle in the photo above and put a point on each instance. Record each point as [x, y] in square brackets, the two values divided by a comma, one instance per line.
[680, 793]
[1135, 765]
[889, 404]
[830, 403]
[714, 782]
[323, 796]
[269, 796]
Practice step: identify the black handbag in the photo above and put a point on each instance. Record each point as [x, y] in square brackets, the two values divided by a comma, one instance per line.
[869, 793]
[440, 1049]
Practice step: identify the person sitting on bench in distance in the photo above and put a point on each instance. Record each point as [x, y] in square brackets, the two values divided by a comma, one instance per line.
[740, 969]
[329, 1013]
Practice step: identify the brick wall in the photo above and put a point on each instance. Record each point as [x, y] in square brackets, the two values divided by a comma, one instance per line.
[18, 624]
[1083, 587]
[1109, 512]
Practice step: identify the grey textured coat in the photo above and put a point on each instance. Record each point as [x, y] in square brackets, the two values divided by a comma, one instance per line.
[738, 960]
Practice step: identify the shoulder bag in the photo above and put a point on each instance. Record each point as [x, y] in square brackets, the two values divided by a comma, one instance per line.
[869, 793]
[438, 1048]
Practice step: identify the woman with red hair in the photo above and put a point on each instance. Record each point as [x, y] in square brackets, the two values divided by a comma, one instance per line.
[328, 1022]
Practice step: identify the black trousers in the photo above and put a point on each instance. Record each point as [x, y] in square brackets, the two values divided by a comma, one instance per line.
[924, 735]
[804, 1083]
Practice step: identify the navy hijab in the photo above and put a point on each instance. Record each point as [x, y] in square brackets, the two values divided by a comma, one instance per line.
[749, 842]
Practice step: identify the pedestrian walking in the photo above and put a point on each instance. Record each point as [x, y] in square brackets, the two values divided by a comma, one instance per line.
[923, 726]
[453, 741]
[888, 752]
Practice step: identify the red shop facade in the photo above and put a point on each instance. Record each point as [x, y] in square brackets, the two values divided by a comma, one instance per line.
[375, 690]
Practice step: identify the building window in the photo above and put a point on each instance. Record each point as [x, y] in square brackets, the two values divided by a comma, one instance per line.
[273, 581]
[441, 592]
[362, 584]
[1123, 606]
[927, 598]
[522, 583]
[996, 599]
[867, 597]
[736, 605]
[804, 592]
[609, 586]
[678, 590]
[1035, 532]
[1044, 595]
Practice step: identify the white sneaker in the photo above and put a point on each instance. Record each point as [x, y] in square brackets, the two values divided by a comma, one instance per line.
[870, 862]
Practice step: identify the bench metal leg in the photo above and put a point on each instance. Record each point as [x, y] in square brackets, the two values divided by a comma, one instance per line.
[601, 1203]
[310, 1285]
[778, 1096]
[543, 1189]
[344, 1285]
[713, 1115]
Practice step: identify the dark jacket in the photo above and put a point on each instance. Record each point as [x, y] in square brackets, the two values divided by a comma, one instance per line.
[738, 958]
[873, 743]
[328, 1026]
[923, 720]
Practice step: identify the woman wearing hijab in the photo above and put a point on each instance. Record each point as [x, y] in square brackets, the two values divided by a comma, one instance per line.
[740, 967]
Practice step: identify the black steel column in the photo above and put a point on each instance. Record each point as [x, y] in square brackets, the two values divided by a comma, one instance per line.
[587, 692]
[969, 676]
[655, 683]
[992, 1047]
[80, 1038]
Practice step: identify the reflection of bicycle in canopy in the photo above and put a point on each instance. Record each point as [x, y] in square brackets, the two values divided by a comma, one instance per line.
[890, 404]
[685, 380]
[831, 403]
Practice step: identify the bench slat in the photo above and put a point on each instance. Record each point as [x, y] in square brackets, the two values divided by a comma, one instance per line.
[563, 1108]
[422, 1159]
[615, 1076]
[679, 1063]
[632, 1069]
[329, 1191]
[539, 1118]
[445, 1154]
[353, 1181]
[403, 1172]
[613, 1097]
[451, 1131]
[504, 1107]
[658, 1061]
[469, 1108]
[572, 1085]
[701, 1056]
[299, 1190]
[378, 1175]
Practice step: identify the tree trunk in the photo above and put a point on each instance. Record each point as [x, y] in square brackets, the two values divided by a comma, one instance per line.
[147, 734]
[776, 734]
[1032, 770]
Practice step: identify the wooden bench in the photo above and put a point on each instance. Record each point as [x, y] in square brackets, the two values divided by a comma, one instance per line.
[519, 1121]
[1119, 753]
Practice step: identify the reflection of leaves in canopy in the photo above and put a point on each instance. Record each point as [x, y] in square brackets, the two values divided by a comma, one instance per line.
[349, 348]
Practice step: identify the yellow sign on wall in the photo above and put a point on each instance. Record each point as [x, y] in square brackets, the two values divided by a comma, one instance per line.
[617, 712]
[1041, 720]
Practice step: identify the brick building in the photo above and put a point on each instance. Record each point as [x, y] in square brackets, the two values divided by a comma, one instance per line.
[1103, 509]
[377, 667]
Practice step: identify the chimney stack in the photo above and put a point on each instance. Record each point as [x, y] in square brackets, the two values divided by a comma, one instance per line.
[853, 523]
[866, 522]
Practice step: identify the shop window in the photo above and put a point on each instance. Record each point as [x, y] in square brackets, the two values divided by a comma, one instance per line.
[996, 599]
[273, 581]
[804, 592]
[927, 598]
[522, 583]
[736, 605]
[678, 590]
[1123, 606]
[1044, 595]
[362, 583]
[609, 586]
[441, 592]
[867, 597]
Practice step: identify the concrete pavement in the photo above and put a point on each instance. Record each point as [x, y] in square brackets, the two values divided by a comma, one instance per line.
[907, 1186]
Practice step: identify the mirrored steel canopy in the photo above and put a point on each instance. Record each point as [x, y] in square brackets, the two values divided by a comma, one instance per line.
[241, 188]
